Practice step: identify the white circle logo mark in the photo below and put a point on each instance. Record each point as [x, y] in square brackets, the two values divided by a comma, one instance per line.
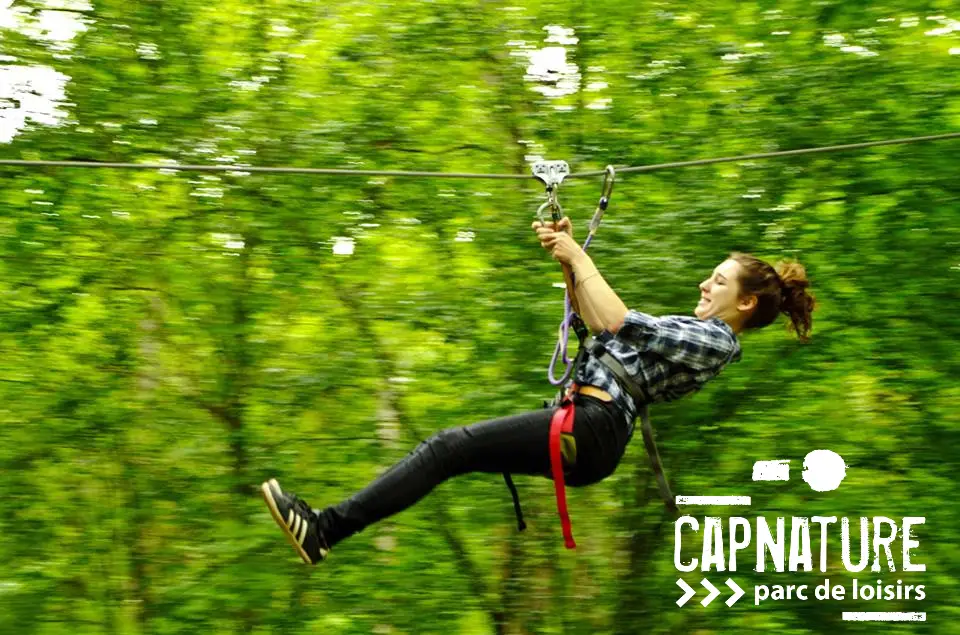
[824, 470]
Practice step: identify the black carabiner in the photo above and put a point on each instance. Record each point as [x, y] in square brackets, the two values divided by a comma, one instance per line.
[608, 178]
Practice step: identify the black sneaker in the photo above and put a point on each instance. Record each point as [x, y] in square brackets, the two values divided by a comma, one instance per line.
[297, 521]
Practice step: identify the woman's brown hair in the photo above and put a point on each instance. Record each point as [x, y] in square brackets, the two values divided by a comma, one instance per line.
[779, 289]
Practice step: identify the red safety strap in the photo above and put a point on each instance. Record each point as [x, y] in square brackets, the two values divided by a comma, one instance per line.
[562, 422]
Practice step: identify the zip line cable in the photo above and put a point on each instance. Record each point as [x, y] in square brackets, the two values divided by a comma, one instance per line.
[773, 155]
[470, 175]
[244, 168]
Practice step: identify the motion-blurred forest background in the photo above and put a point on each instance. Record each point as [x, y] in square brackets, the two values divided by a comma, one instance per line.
[170, 339]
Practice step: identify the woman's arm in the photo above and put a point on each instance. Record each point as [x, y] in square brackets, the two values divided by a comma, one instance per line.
[592, 298]
[602, 309]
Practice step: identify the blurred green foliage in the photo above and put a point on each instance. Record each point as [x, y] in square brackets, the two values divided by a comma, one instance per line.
[169, 340]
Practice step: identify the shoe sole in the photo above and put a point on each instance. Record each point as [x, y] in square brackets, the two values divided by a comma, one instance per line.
[275, 512]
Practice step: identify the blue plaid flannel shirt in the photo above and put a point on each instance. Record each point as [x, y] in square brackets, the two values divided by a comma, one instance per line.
[668, 356]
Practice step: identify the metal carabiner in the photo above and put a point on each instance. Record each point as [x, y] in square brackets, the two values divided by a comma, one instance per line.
[608, 178]
[540, 212]
[556, 211]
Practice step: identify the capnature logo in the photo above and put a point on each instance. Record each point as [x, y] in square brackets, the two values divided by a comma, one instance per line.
[722, 540]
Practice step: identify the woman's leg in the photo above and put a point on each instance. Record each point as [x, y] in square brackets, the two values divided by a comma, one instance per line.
[517, 444]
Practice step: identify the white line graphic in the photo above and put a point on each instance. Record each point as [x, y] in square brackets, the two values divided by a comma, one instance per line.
[771, 470]
[713, 500]
[887, 616]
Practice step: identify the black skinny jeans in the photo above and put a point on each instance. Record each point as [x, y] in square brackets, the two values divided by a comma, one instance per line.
[517, 444]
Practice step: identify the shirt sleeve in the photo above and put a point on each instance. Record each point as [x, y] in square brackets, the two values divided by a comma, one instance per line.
[698, 344]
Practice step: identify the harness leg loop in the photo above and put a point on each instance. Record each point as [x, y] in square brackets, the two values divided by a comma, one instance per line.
[562, 422]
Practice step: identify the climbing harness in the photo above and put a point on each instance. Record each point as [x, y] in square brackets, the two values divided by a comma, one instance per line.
[552, 173]
[640, 400]
[562, 423]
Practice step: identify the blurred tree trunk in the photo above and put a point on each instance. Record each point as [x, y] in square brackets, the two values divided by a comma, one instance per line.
[445, 525]
[636, 601]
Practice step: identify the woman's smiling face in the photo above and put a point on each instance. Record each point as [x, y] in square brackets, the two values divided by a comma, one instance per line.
[720, 295]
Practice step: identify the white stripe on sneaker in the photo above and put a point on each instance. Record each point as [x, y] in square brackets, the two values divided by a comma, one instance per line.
[290, 518]
[303, 533]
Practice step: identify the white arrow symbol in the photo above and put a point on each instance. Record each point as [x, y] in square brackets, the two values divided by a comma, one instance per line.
[714, 592]
[688, 592]
[737, 592]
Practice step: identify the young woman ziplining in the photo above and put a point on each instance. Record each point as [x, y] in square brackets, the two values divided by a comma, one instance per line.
[665, 358]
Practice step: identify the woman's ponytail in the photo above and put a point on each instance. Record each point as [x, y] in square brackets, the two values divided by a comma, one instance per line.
[795, 300]
[779, 289]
